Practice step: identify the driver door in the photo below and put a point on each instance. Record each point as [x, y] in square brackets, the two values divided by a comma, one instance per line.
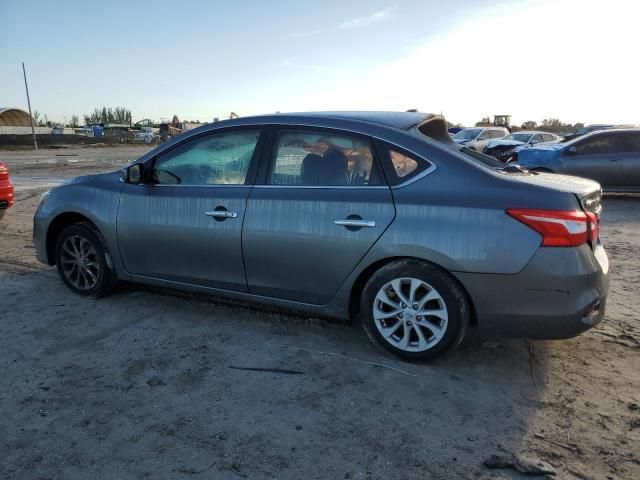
[184, 223]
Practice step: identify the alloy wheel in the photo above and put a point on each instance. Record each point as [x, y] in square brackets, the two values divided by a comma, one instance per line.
[79, 261]
[410, 314]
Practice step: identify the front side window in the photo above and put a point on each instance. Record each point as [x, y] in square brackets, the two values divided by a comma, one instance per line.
[497, 134]
[317, 158]
[216, 159]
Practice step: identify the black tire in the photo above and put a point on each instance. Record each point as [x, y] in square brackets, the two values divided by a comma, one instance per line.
[450, 292]
[105, 278]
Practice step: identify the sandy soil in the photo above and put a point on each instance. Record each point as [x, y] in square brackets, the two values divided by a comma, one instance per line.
[149, 383]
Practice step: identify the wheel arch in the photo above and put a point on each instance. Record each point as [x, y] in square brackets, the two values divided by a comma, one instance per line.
[364, 276]
[58, 224]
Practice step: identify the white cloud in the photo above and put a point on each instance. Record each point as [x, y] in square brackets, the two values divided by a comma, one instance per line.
[358, 22]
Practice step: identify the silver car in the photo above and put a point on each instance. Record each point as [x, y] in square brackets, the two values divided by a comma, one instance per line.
[479, 137]
[375, 216]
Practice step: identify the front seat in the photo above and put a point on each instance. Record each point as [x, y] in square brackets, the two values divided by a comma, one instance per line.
[330, 169]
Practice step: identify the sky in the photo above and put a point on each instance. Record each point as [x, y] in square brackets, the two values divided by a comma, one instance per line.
[576, 60]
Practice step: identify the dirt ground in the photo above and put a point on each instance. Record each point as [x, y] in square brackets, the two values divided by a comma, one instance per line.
[150, 383]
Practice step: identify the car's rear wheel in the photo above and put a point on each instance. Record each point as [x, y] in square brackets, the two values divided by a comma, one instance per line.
[81, 261]
[415, 310]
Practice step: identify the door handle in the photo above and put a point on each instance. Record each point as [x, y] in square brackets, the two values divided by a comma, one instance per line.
[355, 223]
[221, 214]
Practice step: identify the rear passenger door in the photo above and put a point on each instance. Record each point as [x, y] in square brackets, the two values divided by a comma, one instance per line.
[321, 206]
[630, 159]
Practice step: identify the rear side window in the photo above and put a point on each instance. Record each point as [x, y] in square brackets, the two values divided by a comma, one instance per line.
[322, 158]
[631, 142]
[400, 165]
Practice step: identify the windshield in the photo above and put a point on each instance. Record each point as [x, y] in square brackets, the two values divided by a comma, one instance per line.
[519, 137]
[467, 133]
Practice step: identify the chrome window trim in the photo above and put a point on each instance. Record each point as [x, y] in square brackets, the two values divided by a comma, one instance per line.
[236, 185]
[409, 181]
[324, 187]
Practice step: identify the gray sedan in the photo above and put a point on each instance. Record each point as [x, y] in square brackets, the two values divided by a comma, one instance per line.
[611, 157]
[375, 216]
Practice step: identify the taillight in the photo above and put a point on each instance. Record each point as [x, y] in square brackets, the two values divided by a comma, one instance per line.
[593, 226]
[4, 172]
[559, 228]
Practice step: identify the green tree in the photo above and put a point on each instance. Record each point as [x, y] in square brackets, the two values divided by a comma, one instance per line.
[109, 115]
[529, 125]
[554, 125]
[74, 121]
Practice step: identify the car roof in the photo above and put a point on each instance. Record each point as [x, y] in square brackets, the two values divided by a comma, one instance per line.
[531, 132]
[598, 132]
[399, 120]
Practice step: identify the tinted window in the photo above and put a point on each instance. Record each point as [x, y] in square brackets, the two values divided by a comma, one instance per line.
[605, 143]
[216, 159]
[309, 158]
[631, 142]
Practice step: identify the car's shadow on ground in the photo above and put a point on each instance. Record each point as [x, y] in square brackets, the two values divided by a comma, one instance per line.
[151, 380]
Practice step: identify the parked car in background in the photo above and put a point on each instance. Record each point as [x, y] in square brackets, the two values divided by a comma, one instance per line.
[593, 128]
[370, 215]
[506, 149]
[611, 157]
[477, 138]
[146, 135]
[6, 190]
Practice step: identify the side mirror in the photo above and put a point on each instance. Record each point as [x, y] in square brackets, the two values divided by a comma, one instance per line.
[572, 151]
[132, 174]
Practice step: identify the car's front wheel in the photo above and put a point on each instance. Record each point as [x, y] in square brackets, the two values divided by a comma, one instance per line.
[81, 261]
[415, 310]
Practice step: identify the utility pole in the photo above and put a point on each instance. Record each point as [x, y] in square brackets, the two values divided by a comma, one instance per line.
[33, 130]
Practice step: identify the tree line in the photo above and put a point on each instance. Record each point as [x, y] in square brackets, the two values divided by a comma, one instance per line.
[120, 115]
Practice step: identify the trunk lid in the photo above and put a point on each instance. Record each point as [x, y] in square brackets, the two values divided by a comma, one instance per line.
[588, 192]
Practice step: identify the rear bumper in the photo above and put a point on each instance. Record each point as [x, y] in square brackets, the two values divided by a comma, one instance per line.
[6, 195]
[561, 293]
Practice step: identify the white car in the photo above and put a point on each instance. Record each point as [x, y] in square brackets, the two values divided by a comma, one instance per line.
[505, 149]
[478, 137]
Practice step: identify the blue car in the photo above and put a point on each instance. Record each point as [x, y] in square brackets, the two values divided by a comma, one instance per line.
[611, 157]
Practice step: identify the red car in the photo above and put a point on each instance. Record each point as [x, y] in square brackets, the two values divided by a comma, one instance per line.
[6, 190]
